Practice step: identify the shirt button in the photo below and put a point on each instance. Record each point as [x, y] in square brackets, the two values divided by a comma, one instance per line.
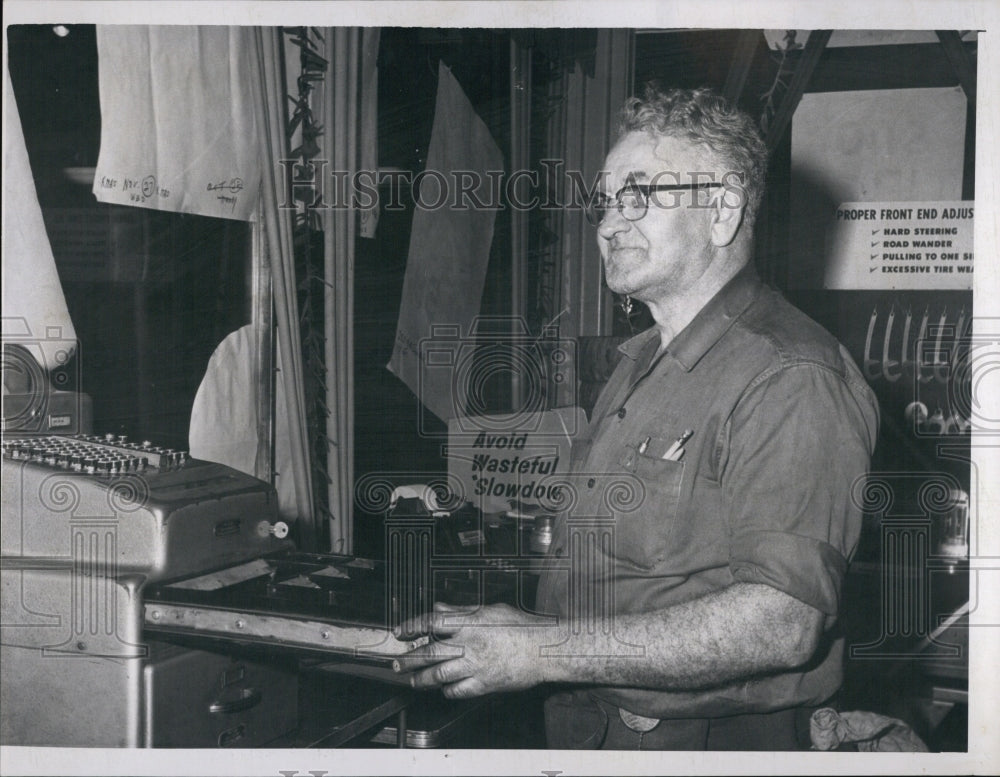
[591, 483]
[621, 413]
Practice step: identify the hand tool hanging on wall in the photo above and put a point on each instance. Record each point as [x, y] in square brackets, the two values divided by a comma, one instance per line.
[921, 338]
[956, 344]
[941, 361]
[905, 360]
[889, 371]
[928, 360]
[957, 424]
[873, 370]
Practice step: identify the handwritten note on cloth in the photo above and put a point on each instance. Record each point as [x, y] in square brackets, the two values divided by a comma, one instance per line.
[34, 308]
[449, 245]
[178, 129]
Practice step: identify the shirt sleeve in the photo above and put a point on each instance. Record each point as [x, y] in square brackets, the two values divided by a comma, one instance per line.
[796, 446]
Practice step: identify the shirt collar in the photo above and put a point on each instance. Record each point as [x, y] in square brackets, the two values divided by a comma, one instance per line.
[708, 325]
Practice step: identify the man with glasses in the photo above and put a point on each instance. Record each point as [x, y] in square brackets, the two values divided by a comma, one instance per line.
[696, 575]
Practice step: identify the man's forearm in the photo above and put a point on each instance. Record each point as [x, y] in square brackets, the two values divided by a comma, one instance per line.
[742, 631]
[720, 639]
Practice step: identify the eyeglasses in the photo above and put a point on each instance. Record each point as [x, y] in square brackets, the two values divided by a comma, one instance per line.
[632, 200]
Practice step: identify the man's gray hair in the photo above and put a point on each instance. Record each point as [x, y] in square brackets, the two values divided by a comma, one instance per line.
[704, 117]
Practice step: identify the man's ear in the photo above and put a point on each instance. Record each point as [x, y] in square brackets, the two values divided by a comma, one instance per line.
[727, 216]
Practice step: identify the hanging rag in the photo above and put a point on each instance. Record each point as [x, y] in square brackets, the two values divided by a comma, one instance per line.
[867, 731]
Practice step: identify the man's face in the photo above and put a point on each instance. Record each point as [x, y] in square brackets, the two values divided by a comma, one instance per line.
[666, 251]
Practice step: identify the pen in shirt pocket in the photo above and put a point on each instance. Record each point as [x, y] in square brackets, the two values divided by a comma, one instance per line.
[675, 451]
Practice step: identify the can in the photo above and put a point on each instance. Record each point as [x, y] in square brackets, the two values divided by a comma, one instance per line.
[953, 526]
[541, 534]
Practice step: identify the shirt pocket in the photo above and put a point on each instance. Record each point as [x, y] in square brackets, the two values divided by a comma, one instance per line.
[642, 534]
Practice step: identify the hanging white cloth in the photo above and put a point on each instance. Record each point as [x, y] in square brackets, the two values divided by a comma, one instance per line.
[178, 127]
[34, 308]
[224, 417]
[449, 248]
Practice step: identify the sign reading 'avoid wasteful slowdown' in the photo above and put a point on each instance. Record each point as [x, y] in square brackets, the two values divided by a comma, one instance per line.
[500, 464]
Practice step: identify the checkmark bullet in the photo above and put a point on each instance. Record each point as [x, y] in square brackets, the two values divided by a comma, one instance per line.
[876, 242]
[876, 231]
[874, 256]
[872, 269]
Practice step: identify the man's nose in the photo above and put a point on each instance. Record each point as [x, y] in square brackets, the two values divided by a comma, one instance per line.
[613, 223]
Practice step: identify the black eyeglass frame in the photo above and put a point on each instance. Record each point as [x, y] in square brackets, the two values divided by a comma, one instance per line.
[645, 190]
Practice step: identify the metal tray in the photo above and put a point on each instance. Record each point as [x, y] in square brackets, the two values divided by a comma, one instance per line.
[351, 607]
[316, 602]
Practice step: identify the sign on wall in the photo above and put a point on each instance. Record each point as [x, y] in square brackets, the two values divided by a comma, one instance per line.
[892, 149]
[500, 465]
[900, 245]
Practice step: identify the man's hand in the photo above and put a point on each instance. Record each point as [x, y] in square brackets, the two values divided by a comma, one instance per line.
[727, 636]
[480, 650]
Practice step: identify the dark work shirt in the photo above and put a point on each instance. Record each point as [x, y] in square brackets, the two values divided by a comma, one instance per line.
[766, 490]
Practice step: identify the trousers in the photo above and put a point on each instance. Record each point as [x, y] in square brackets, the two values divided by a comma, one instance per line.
[578, 720]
